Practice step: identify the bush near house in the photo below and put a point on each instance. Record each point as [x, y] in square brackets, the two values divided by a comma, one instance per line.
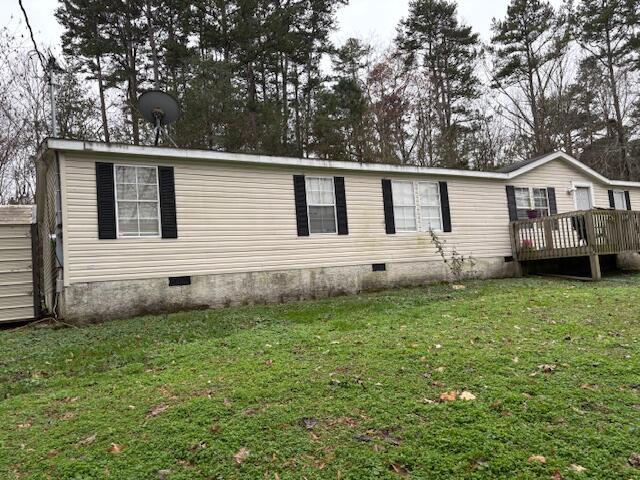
[503, 379]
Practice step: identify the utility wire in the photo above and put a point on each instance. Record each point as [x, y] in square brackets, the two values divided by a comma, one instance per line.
[33, 40]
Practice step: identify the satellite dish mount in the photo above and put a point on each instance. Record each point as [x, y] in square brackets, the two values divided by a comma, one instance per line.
[160, 109]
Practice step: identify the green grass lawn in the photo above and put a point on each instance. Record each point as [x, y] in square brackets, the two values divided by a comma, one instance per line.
[344, 388]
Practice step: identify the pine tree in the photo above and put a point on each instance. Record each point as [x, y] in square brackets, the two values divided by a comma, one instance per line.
[604, 30]
[432, 39]
[528, 46]
[84, 38]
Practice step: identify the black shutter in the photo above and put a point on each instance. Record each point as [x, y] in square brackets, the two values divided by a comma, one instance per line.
[300, 194]
[444, 204]
[341, 206]
[387, 197]
[167, 202]
[553, 205]
[511, 203]
[106, 201]
[612, 200]
[627, 196]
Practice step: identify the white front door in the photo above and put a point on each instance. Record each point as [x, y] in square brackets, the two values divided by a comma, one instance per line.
[583, 198]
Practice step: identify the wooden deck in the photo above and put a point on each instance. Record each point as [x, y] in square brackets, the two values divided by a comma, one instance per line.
[588, 233]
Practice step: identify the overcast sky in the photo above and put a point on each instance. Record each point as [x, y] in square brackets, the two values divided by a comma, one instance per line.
[372, 20]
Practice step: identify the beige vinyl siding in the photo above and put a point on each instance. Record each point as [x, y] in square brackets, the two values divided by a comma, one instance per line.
[239, 218]
[560, 175]
[46, 191]
[16, 276]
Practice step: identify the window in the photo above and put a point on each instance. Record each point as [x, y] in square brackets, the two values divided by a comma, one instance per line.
[404, 206]
[619, 200]
[137, 207]
[532, 200]
[321, 202]
[421, 212]
[430, 211]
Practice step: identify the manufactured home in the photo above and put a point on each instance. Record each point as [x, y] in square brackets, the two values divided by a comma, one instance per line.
[126, 230]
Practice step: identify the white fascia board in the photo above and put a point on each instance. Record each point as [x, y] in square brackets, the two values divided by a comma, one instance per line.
[209, 155]
[576, 163]
[188, 154]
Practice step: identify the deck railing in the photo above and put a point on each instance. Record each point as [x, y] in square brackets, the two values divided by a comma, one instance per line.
[576, 234]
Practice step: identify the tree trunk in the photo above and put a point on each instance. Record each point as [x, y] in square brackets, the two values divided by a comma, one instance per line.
[154, 49]
[103, 105]
[621, 137]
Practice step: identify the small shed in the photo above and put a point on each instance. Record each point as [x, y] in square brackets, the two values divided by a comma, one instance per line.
[17, 299]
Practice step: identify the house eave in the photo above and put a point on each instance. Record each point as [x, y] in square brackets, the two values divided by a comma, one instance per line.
[124, 150]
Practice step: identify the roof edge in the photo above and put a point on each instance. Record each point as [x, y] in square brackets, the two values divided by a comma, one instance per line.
[257, 159]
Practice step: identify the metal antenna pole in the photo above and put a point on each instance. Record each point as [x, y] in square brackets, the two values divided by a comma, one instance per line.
[51, 68]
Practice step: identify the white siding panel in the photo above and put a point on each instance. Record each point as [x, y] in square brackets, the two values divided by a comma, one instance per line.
[16, 277]
[237, 218]
[241, 218]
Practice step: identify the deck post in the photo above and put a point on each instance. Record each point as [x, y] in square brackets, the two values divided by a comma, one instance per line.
[594, 261]
[513, 229]
[594, 258]
[548, 234]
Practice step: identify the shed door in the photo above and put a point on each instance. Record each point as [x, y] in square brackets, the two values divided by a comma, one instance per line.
[16, 277]
[583, 198]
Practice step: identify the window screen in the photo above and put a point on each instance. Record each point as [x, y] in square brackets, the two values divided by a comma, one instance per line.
[137, 206]
[321, 203]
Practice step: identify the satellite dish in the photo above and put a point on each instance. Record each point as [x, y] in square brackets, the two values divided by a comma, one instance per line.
[160, 109]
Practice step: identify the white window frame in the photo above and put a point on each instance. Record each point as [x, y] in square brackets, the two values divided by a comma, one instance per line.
[574, 188]
[419, 207]
[415, 206]
[624, 199]
[420, 225]
[532, 200]
[157, 201]
[334, 205]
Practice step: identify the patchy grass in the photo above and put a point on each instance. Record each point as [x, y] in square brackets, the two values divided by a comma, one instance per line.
[343, 388]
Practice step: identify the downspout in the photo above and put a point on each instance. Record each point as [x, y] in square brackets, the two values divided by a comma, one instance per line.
[57, 238]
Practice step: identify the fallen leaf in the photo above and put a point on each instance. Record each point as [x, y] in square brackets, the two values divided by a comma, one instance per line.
[458, 287]
[52, 453]
[577, 468]
[537, 458]
[164, 474]
[25, 425]
[197, 446]
[115, 448]
[438, 346]
[157, 410]
[467, 396]
[440, 369]
[449, 396]
[309, 423]
[88, 440]
[634, 460]
[399, 469]
[546, 368]
[586, 386]
[269, 362]
[241, 455]
[557, 475]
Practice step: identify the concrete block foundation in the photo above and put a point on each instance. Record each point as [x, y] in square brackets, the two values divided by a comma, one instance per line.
[99, 301]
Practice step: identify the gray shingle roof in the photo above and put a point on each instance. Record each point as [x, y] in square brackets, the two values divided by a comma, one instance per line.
[515, 166]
